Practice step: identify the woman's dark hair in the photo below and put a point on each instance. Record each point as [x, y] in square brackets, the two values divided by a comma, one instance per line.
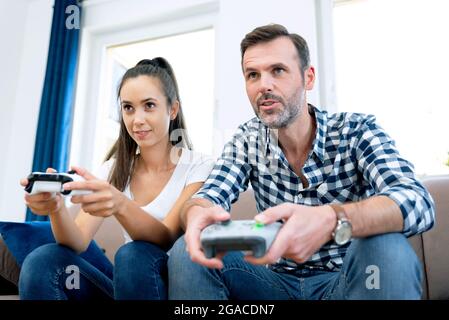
[124, 149]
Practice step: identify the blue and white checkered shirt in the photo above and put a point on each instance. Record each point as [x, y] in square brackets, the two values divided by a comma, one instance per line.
[352, 158]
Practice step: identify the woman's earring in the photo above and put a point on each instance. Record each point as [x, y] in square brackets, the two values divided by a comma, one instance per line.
[137, 150]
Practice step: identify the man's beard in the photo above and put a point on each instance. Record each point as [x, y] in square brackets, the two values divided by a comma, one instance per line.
[285, 117]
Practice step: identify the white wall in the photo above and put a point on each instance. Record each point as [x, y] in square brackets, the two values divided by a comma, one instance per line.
[24, 31]
[11, 33]
[27, 37]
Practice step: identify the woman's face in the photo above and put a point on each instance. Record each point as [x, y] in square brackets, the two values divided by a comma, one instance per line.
[145, 111]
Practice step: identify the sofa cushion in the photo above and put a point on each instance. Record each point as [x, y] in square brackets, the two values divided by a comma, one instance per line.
[23, 237]
[436, 240]
[9, 271]
[417, 244]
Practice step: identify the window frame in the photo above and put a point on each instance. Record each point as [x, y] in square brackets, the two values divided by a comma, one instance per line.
[89, 111]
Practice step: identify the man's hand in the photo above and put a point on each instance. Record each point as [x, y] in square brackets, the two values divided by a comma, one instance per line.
[105, 200]
[306, 229]
[199, 218]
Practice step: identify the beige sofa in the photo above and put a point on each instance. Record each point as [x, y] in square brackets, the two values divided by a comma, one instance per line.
[431, 247]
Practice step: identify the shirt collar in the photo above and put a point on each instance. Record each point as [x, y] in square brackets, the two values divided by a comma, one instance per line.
[320, 137]
[319, 143]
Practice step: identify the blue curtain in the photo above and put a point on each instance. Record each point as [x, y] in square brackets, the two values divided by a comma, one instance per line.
[52, 143]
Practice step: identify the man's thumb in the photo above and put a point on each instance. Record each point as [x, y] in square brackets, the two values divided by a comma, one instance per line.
[270, 215]
[220, 214]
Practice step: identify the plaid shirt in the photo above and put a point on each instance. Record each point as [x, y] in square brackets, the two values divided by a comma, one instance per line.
[352, 158]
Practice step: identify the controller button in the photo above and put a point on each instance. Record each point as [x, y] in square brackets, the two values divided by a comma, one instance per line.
[259, 225]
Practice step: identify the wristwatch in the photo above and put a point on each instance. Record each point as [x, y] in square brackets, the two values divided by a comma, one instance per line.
[343, 230]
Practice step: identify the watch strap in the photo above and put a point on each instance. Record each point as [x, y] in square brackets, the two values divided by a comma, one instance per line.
[339, 211]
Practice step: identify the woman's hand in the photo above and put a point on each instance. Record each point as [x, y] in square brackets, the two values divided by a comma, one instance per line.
[104, 201]
[45, 203]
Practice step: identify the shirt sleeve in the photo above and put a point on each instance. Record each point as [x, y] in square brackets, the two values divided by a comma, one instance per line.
[391, 175]
[230, 175]
[200, 169]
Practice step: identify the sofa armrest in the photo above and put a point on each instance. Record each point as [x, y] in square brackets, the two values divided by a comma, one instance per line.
[436, 240]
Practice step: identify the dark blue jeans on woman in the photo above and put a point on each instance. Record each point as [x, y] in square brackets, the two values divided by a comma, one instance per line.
[140, 273]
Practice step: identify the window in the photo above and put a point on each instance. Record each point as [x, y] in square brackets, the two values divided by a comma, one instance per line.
[192, 58]
[391, 61]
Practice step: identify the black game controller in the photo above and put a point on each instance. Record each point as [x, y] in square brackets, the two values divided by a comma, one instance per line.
[39, 182]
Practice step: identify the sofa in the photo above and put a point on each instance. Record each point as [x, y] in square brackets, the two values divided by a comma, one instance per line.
[430, 247]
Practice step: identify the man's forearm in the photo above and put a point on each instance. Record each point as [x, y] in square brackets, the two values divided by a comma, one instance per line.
[376, 215]
[192, 203]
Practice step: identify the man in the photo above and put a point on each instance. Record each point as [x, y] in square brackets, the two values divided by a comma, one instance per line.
[330, 178]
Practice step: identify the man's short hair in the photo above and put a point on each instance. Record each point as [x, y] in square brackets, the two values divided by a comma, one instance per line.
[273, 31]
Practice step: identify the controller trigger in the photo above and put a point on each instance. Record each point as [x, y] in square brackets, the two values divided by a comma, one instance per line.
[226, 222]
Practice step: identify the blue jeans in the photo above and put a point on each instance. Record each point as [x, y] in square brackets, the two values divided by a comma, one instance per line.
[140, 272]
[378, 267]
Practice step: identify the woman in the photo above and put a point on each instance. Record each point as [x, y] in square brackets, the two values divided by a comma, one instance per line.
[149, 174]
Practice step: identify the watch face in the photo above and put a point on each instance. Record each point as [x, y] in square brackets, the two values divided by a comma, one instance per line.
[343, 233]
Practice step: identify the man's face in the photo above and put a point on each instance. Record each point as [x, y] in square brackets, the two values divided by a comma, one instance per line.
[274, 83]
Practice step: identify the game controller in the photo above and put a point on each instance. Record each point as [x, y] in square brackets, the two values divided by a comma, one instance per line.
[240, 235]
[39, 182]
